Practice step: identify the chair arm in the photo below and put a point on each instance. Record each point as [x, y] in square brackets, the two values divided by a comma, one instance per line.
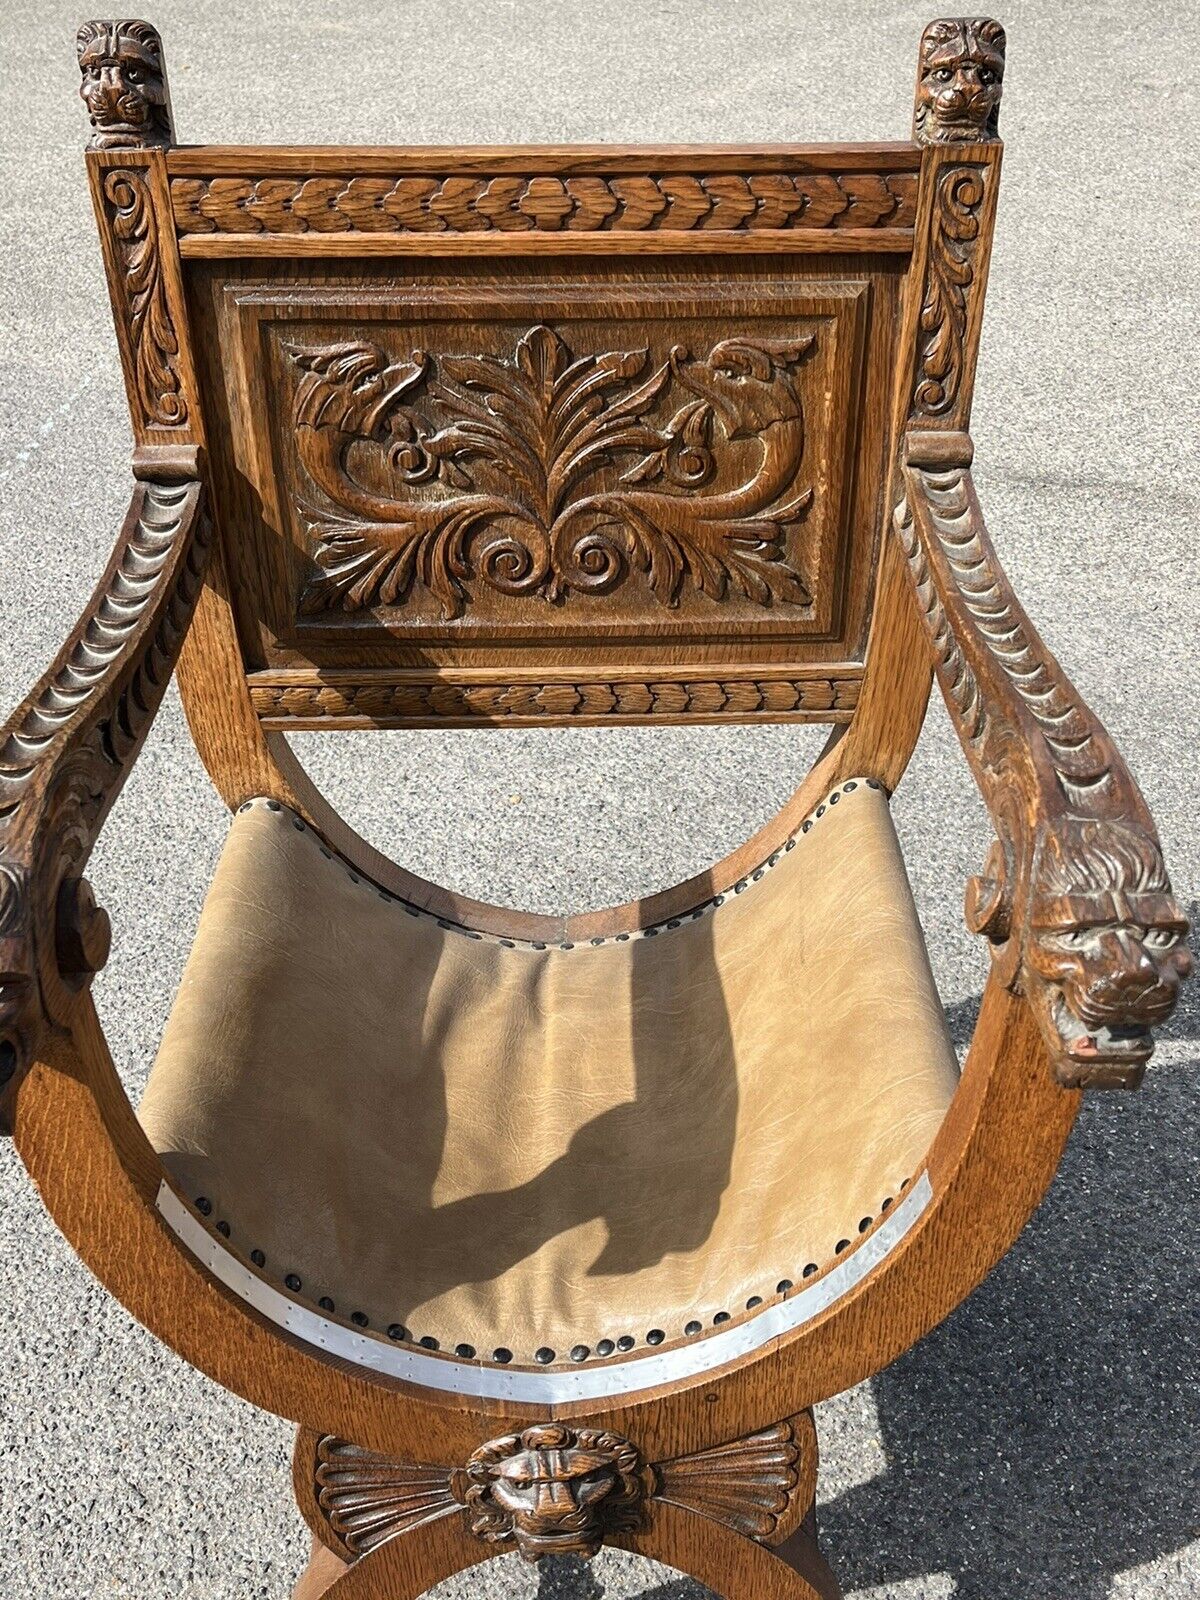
[1074, 896]
[66, 750]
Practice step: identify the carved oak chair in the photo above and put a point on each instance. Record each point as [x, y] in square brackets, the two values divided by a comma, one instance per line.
[551, 1232]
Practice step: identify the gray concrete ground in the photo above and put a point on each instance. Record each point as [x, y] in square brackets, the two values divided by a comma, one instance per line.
[1044, 1442]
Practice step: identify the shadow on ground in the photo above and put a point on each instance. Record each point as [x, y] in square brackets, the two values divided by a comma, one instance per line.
[1045, 1437]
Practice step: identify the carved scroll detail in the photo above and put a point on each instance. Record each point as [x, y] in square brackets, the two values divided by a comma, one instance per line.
[618, 698]
[493, 465]
[124, 85]
[959, 82]
[941, 348]
[544, 203]
[153, 342]
[65, 753]
[554, 1489]
[1075, 897]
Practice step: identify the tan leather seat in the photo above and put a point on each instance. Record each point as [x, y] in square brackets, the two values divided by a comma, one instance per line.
[530, 1150]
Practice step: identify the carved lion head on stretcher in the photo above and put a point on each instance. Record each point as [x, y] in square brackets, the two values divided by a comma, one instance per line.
[554, 1490]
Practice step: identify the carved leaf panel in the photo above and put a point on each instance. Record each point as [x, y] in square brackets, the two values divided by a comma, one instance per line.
[684, 470]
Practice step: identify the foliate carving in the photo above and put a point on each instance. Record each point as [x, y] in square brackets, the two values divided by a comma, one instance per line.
[941, 344]
[65, 753]
[554, 1490]
[545, 203]
[584, 700]
[491, 469]
[124, 85]
[154, 345]
[760, 1487]
[959, 82]
[1074, 896]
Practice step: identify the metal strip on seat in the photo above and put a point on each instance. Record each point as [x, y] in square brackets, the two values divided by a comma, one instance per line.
[596, 1382]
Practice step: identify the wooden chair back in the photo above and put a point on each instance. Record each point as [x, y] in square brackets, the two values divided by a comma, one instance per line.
[550, 435]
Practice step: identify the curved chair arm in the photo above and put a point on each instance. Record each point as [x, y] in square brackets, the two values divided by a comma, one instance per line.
[66, 750]
[1074, 896]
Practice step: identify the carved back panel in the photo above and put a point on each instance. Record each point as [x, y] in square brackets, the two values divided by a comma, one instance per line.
[561, 434]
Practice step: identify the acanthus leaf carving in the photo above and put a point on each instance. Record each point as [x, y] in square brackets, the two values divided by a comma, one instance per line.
[827, 698]
[153, 342]
[950, 276]
[66, 750]
[494, 466]
[1074, 896]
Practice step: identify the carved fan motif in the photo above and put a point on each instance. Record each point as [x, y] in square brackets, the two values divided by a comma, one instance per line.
[748, 1484]
[494, 471]
[370, 1498]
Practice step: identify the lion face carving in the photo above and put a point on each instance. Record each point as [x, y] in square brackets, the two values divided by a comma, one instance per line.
[1106, 945]
[124, 86]
[961, 75]
[553, 1490]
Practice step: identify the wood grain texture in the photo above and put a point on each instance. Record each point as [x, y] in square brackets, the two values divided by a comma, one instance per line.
[390, 700]
[124, 85]
[608, 257]
[544, 202]
[1075, 899]
[551, 1489]
[66, 751]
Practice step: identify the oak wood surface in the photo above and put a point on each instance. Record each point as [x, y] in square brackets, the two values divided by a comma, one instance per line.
[897, 581]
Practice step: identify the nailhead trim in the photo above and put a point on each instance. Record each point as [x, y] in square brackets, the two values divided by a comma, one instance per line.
[544, 1355]
[668, 925]
[604, 1348]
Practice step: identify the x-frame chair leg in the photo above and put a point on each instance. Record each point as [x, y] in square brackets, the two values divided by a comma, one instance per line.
[728, 1563]
[739, 1517]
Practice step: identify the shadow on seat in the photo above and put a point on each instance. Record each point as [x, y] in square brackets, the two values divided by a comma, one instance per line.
[546, 1152]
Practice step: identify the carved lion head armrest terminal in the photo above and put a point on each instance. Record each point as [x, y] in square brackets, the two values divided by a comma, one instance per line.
[1075, 897]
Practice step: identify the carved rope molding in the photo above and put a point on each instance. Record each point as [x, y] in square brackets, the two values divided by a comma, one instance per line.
[491, 465]
[545, 203]
[1075, 897]
[556, 1490]
[65, 752]
[586, 699]
[153, 342]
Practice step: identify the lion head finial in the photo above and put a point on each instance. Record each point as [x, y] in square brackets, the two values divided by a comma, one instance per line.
[959, 82]
[124, 85]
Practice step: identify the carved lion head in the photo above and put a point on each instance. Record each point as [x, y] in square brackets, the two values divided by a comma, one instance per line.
[961, 74]
[1106, 945]
[124, 86]
[553, 1490]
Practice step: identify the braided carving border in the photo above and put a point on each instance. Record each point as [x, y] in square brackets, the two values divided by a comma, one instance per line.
[461, 204]
[588, 698]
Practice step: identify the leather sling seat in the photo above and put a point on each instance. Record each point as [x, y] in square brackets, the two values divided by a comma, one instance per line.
[545, 1154]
